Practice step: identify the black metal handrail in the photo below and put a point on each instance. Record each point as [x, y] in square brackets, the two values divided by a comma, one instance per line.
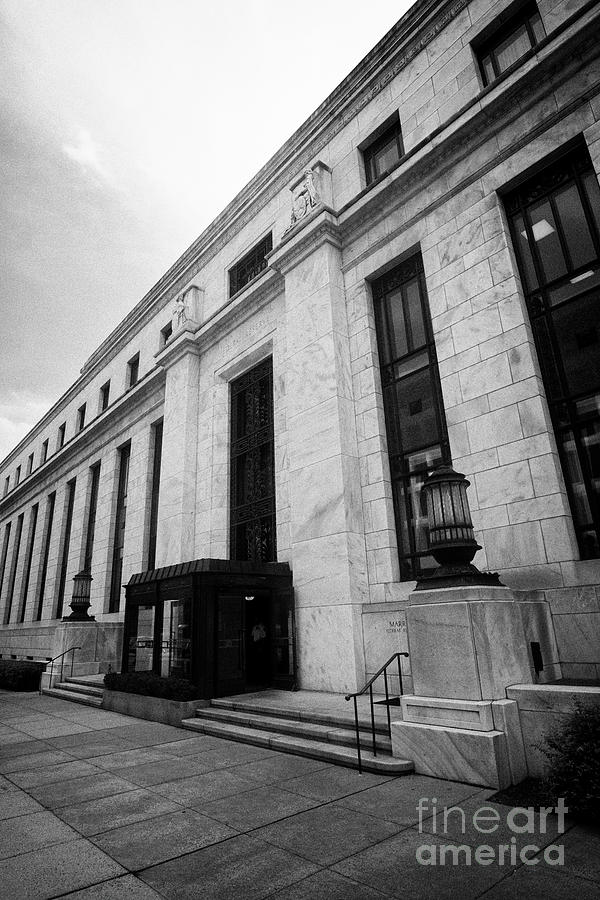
[369, 686]
[60, 656]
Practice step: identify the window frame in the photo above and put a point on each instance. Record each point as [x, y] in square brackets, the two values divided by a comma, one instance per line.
[542, 304]
[238, 281]
[81, 417]
[387, 131]
[405, 272]
[165, 334]
[62, 433]
[509, 22]
[133, 371]
[104, 398]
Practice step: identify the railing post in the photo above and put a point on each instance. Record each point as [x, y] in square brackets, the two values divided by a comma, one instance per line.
[373, 721]
[387, 702]
[357, 736]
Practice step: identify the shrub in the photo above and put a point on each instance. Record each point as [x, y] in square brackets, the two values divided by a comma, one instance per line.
[20, 674]
[574, 755]
[151, 685]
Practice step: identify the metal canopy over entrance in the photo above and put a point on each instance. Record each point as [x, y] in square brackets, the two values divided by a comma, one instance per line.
[227, 626]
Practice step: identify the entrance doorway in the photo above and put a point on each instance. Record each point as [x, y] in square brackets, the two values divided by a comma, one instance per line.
[227, 626]
[243, 655]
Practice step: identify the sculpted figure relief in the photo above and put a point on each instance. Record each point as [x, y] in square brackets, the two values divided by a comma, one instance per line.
[305, 197]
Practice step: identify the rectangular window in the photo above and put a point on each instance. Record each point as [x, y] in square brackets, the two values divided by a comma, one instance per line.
[412, 399]
[555, 227]
[119, 532]
[165, 334]
[66, 543]
[91, 522]
[252, 516]
[17, 475]
[133, 370]
[251, 265]
[30, 464]
[13, 569]
[61, 435]
[4, 554]
[510, 39]
[44, 455]
[383, 150]
[104, 396]
[45, 554]
[6, 485]
[81, 418]
[156, 461]
[28, 560]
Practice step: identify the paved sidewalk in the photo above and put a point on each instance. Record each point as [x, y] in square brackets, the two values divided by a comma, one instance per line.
[99, 805]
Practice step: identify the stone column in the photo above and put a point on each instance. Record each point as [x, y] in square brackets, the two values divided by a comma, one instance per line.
[177, 500]
[327, 532]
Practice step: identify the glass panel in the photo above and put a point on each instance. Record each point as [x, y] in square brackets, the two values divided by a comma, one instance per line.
[386, 157]
[546, 241]
[488, 69]
[524, 251]
[414, 312]
[576, 326]
[574, 286]
[512, 48]
[398, 327]
[537, 27]
[416, 409]
[575, 228]
[180, 639]
[592, 189]
[141, 644]
[418, 361]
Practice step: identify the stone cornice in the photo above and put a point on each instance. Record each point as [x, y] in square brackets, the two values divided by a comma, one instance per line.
[411, 34]
[96, 433]
[183, 344]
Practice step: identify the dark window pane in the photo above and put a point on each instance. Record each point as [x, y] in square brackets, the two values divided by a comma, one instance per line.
[546, 241]
[414, 312]
[575, 228]
[581, 283]
[386, 157]
[488, 69]
[524, 251]
[416, 409]
[537, 27]
[577, 327]
[398, 326]
[512, 48]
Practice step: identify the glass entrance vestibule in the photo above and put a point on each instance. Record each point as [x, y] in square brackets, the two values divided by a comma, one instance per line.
[227, 626]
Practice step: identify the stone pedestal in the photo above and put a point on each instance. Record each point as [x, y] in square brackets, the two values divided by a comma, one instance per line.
[99, 643]
[467, 645]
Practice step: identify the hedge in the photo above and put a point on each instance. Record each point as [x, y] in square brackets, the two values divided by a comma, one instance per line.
[20, 674]
[150, 685]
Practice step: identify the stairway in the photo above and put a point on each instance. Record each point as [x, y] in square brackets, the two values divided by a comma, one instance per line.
[87, 689]
[316, 733]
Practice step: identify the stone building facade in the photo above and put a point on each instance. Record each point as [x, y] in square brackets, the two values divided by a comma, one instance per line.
[415, 271]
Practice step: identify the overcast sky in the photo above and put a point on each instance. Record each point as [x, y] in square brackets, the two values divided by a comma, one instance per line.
[126, 126]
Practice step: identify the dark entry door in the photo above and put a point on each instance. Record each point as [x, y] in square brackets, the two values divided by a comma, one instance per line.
[243, 660]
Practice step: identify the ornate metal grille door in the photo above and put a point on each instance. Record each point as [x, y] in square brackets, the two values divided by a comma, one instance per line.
[252, 533]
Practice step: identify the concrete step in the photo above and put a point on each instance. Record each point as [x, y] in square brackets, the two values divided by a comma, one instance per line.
[324, 732]
[85, 699]
[332, 753]
[78, 688]
[325, 717]
[87, 680]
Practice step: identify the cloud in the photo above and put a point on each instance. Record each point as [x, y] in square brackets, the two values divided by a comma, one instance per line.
[19, 412]
[87, 153]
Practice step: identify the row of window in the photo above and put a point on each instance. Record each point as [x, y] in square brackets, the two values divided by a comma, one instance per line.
[42, 552]
[133, 370]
